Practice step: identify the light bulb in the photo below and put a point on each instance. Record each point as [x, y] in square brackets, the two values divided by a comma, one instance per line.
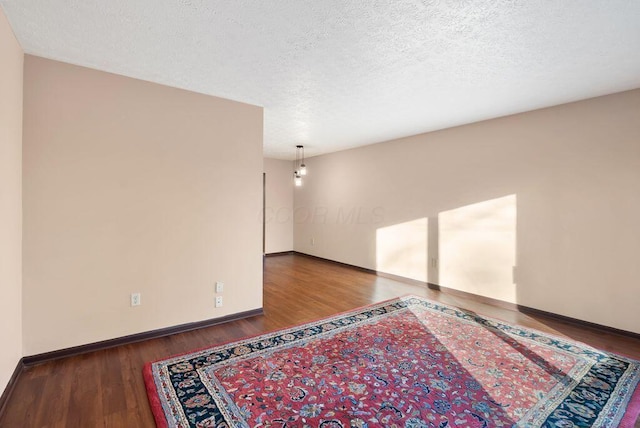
[298, 180]
[303, 169]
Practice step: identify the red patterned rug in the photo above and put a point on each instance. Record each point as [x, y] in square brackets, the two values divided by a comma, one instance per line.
[407, 362]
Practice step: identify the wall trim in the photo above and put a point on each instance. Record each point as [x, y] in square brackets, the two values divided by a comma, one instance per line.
[138, 337]
[582, 323]
[13, 381]
[280, 253]
[527, 310]
[488, 300]
[476, 297]
[335, 262]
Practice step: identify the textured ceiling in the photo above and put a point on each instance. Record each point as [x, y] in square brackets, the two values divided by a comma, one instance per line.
[334, 74]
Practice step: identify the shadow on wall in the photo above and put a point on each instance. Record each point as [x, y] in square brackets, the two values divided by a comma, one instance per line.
[471, 248]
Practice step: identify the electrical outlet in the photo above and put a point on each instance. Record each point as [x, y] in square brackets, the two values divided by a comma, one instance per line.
[136, 299]
[218, 301]
[312, 241]
[219, 287]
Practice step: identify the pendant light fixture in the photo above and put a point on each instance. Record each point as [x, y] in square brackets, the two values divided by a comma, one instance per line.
[300, 167]
[303, 167]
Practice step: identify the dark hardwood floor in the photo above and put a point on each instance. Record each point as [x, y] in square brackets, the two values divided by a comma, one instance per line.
[105, 388]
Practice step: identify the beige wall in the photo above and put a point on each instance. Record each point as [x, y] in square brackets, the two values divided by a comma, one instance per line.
[11, 58]
[555, 192]
[129, 187]
[278, 205]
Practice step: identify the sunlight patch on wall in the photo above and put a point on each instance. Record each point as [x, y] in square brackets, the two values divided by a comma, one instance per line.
[477, 247]
[402, 249]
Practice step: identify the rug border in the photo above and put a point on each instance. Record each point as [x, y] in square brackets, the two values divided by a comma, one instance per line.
[632, 412]
[153, 396]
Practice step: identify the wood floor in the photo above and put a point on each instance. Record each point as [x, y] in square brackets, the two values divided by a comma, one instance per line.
[105, 388]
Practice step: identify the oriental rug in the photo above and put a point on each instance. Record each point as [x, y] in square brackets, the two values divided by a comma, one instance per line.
[407, 362]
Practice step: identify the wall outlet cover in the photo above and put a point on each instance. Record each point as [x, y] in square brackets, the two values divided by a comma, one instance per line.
[136, 299]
